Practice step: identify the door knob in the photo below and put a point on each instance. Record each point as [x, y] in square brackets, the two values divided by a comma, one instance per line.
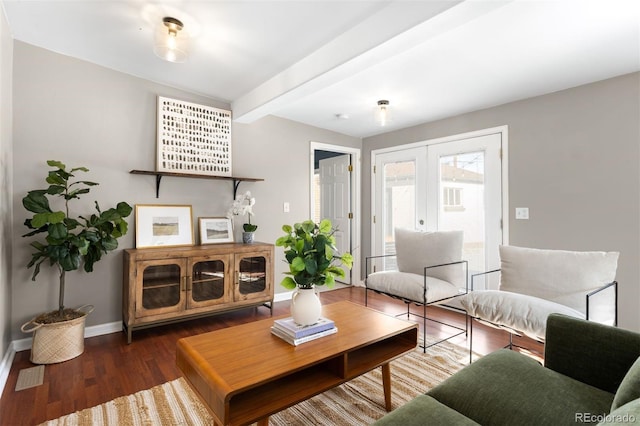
[421, 222]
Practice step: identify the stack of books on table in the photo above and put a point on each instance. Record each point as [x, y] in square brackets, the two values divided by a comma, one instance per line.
[289, 331]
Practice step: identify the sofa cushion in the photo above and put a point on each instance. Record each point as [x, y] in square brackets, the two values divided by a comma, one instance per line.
[424, 411]
[411, 286]
[596, 354]
[416, 249]
[626, 415]
[560, 276]
[629, 388]
[524, 313]
[506, 387]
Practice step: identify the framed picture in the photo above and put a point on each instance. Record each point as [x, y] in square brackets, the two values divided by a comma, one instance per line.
[163, 225]
[215, 230]
[193, 138]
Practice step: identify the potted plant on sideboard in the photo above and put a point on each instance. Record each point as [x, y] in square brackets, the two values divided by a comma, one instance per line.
[310, 250]
[243, 205]
[69, 244]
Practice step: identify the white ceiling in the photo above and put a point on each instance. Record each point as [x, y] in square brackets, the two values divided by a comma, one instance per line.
[311, 60]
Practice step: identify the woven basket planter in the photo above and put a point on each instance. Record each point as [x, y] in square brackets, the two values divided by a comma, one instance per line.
[57, 342]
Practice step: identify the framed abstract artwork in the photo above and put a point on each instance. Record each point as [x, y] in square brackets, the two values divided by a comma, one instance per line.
[193, 139]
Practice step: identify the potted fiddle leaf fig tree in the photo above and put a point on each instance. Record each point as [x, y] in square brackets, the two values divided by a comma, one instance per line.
[310, 250]
[69, 243]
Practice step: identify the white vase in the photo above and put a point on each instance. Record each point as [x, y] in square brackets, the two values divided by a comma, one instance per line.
[305, 306]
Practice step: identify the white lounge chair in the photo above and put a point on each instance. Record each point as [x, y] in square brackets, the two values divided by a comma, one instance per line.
[535, 283]
[430, 271]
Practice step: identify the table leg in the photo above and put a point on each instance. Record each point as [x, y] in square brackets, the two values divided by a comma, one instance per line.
[263, 421]
[386, 385]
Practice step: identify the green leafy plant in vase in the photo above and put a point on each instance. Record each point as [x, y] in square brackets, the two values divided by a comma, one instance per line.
[69, 243]
[310, 250]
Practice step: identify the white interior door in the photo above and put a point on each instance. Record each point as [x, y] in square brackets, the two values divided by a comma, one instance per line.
[456, 184]
[335, 201]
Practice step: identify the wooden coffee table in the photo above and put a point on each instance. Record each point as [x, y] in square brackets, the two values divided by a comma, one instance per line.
[244, 373]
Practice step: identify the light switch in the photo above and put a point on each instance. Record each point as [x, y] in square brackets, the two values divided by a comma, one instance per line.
[285, 207]
[522, 212]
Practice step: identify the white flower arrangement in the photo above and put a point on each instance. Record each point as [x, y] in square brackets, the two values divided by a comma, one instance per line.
[241, 206]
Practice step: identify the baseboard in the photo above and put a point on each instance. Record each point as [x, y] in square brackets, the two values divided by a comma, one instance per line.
[287, 295]
[21, 345]
[279, 297]
[99, 330]
[94, 330]
[5, 366]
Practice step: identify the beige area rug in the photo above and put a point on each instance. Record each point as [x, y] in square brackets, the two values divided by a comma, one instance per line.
[357, 402]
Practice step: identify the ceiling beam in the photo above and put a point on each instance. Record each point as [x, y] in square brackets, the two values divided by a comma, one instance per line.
[395, 29]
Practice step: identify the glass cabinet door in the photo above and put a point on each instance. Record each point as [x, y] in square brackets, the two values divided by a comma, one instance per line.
[208, 283]
[252, 280]
[160, 287]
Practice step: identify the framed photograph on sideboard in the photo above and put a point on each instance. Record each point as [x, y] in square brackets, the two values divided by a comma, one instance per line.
[160, 225]
[215, 230]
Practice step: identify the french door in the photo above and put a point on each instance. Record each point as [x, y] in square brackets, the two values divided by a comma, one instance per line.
[400, 188]
[450, 185]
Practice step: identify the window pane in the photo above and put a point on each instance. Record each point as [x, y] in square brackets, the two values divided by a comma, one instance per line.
[399, 202]
[462, 205]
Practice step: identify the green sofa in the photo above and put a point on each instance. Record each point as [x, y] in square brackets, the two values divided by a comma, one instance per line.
[591, 376]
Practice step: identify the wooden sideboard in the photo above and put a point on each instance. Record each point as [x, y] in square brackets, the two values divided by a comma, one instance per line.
[162, 285]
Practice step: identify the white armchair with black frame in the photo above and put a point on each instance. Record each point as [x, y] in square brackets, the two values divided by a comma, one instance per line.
[430, 271]
[535, 283]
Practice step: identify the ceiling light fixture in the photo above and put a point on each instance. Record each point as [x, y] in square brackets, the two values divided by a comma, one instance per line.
[382, 113]
[171, 44]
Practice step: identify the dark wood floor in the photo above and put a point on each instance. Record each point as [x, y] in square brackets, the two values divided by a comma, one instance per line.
[110, 368]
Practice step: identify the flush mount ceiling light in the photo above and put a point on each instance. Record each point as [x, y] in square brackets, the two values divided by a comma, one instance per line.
[171, 44]
[382, 113]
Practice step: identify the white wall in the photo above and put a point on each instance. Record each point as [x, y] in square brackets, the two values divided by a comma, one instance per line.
[6, 106]
[278, 150]
[573, 160]
[86, 115]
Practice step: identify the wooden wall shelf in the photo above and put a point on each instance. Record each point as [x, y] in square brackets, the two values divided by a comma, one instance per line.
[235, 180]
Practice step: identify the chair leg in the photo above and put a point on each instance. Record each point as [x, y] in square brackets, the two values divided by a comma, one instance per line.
[425, 319]
[470, 340]
[467, 318]
[424, 328]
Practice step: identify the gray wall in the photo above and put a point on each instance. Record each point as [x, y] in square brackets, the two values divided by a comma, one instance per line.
[6, 105]
[573, 160]
[86, 115]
